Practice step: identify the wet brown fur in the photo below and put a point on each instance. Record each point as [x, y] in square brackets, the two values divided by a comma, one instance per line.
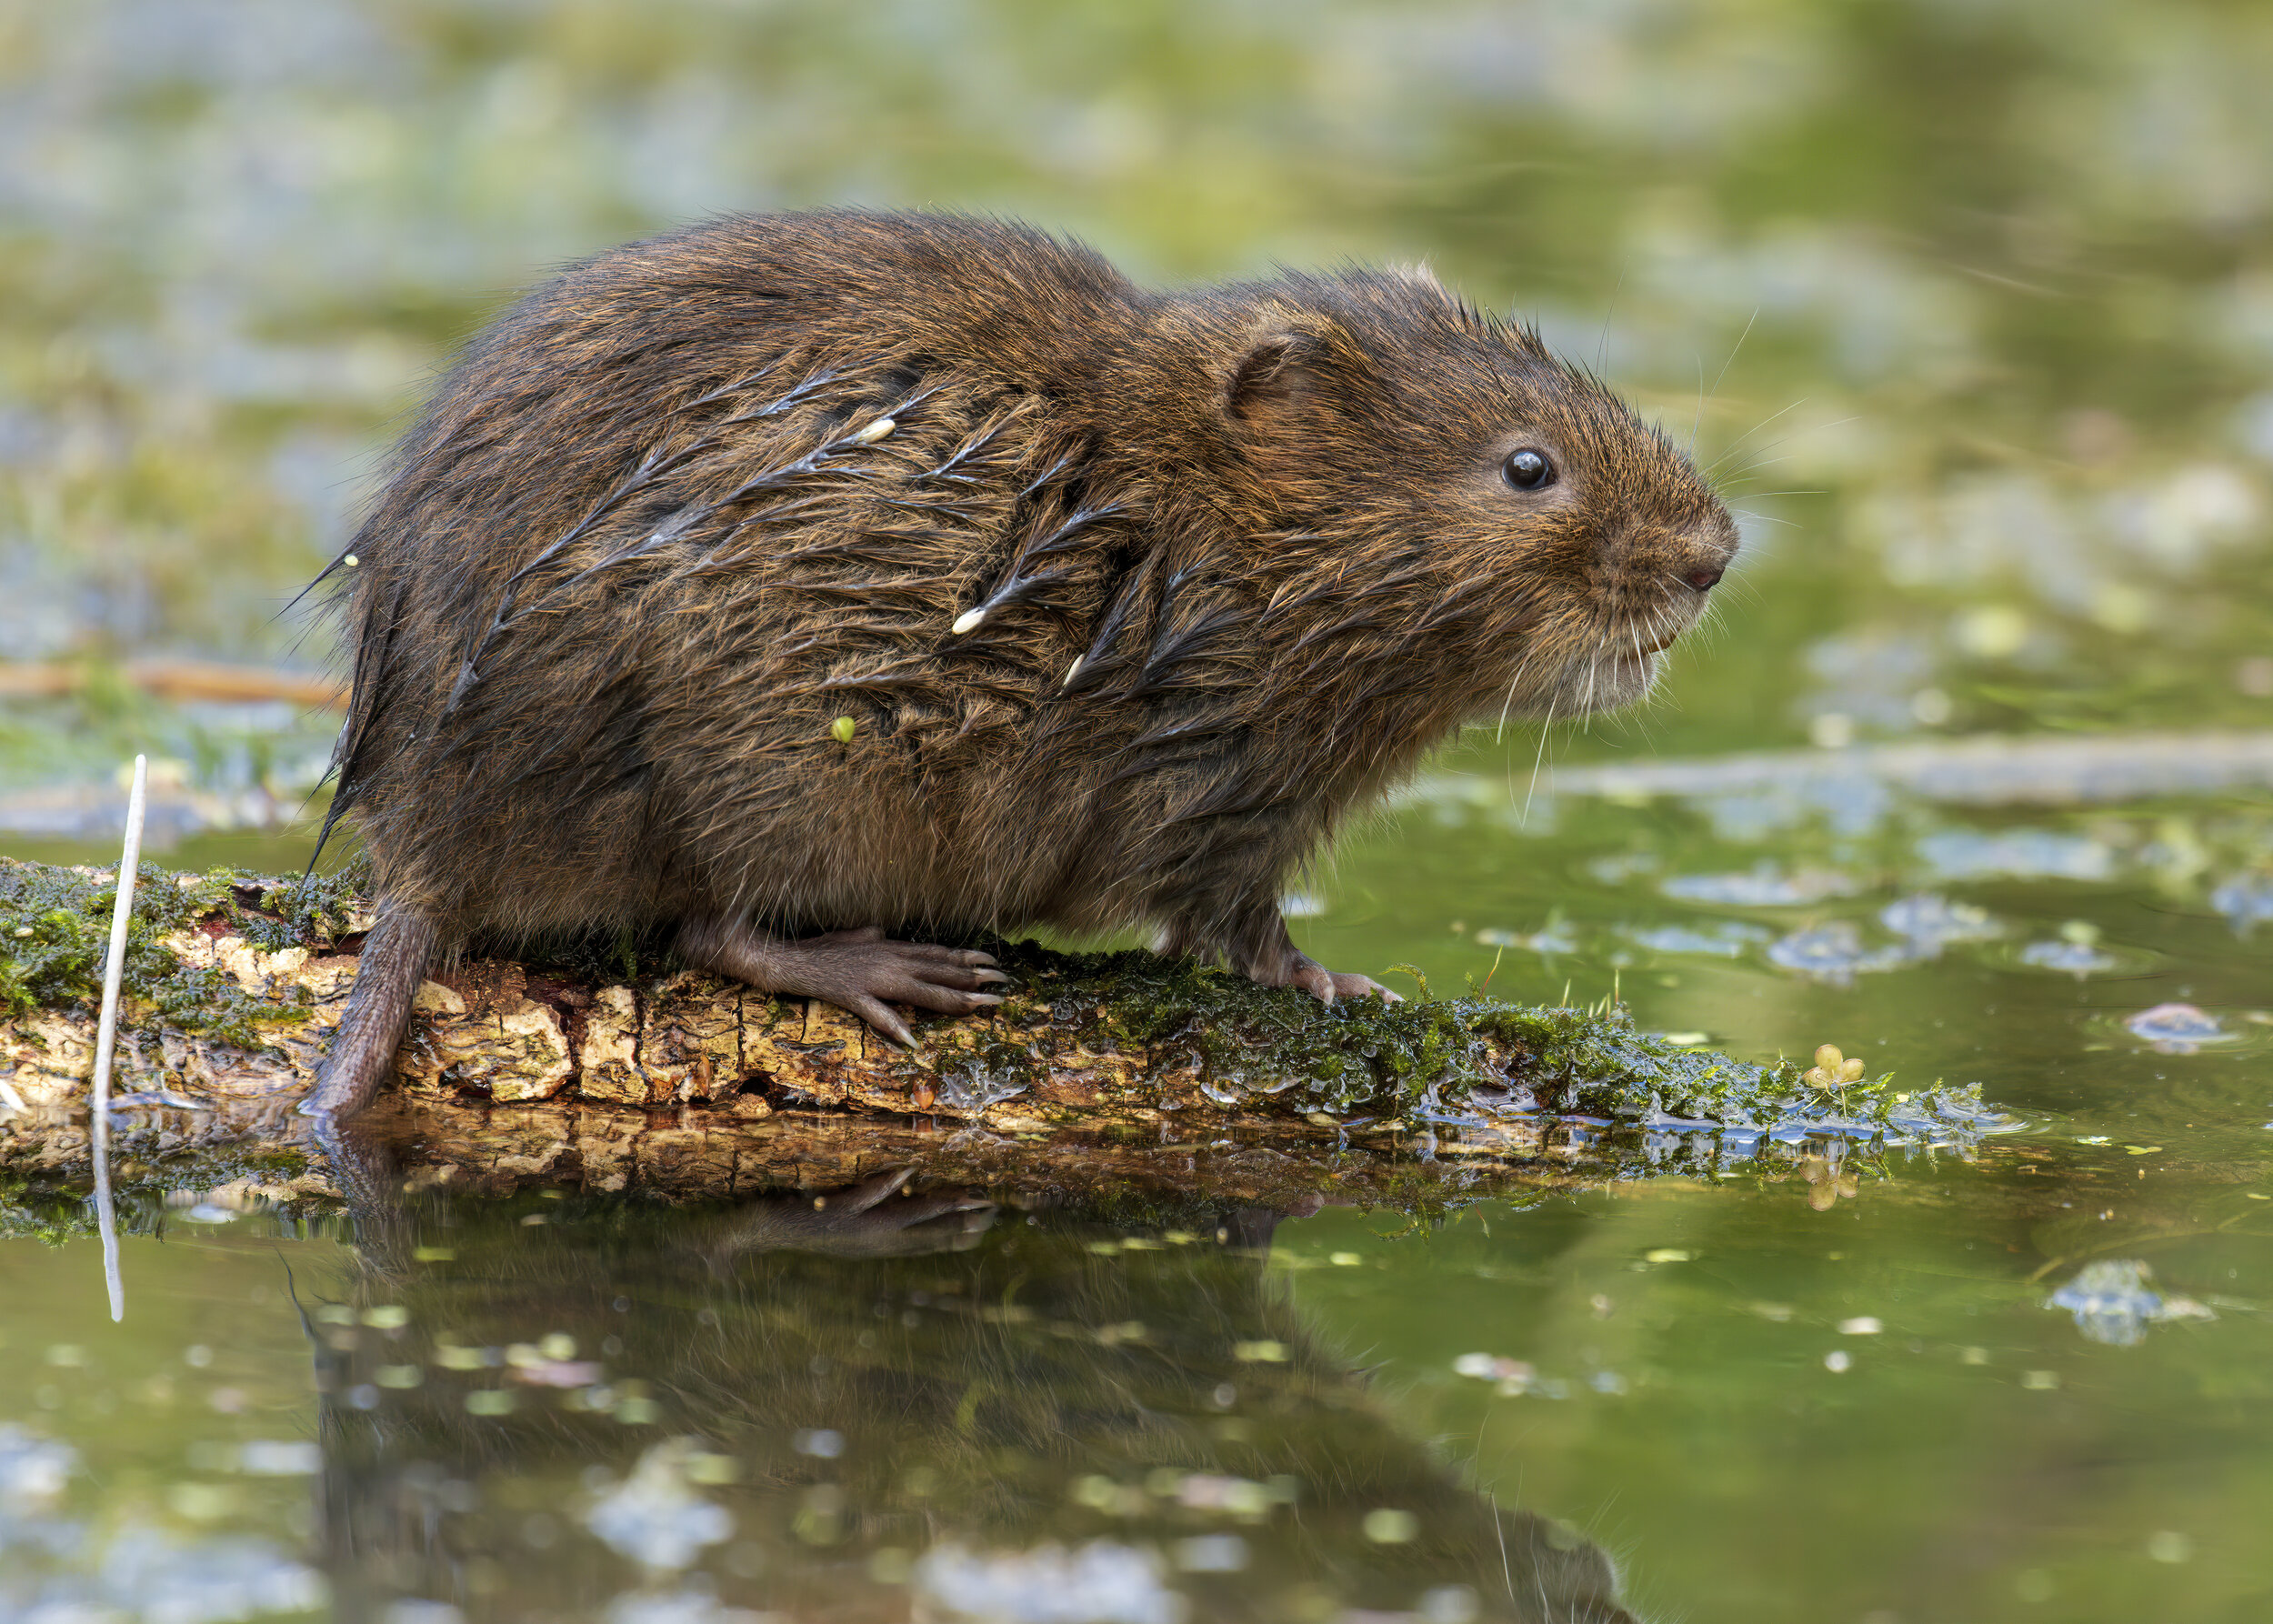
[634, 561]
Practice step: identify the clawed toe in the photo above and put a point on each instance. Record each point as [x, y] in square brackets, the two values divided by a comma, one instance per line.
[870, 976]
[942, 1001]
[1325, 985]
[952, 977]
[861, 970]
[1348, 986]
[869, 1191]
[880, 1016]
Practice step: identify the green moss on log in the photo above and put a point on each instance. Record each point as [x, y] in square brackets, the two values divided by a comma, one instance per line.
[1270, 1049]
[54, 938]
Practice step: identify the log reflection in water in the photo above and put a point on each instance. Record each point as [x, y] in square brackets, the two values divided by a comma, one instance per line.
[845, 1405]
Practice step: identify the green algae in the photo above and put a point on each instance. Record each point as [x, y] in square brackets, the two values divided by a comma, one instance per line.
[1443, 1060]
[274, 914]
[55, 937]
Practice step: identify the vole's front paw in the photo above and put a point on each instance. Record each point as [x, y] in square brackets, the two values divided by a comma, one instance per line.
[1325, 985]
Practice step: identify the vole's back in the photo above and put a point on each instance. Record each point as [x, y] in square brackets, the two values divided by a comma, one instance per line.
[684, 508]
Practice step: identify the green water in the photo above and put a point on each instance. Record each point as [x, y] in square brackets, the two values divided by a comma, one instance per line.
[1972, 306]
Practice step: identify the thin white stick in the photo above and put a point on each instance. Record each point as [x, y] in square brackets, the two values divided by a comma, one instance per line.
[106, 1039]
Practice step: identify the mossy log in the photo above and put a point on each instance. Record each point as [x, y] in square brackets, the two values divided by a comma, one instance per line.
[617, 1070]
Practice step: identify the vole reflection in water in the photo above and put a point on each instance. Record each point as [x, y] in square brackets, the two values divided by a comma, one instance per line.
[892, 1406]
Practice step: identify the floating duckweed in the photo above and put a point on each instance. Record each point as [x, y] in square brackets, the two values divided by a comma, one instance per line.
[1834, 1071]
[1386, 1526]
[703, 1466]
[2177, 1028]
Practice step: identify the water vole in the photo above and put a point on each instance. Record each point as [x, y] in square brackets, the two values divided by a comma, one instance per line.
[813, 581]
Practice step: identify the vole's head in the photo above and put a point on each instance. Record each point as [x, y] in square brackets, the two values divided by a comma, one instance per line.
[1445, 494]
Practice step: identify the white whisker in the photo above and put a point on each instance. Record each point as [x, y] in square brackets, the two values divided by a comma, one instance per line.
[1499, 732]
[1731, 447]
[1602, 342]
[1731, 361]
[1702, 393]
[1762, 461]
[1540, 759]
[1757, 461]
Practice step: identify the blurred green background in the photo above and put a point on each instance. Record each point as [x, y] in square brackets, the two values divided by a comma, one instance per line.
[1969, 305]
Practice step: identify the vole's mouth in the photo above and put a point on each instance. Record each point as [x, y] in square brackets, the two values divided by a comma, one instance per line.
[1638, 651]
[1619, 667]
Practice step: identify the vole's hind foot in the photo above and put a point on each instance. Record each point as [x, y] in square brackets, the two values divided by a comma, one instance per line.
[859, 970]
[1325, 985]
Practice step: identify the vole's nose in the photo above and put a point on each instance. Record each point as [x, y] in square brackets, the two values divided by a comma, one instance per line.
[1705, 577]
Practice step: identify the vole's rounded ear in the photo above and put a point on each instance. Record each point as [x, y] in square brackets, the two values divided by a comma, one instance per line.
[1289, 357]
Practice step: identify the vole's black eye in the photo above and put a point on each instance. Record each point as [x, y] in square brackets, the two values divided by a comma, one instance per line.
[1528, 470]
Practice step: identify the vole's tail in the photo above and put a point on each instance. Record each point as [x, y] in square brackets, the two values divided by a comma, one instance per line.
[395, 959]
